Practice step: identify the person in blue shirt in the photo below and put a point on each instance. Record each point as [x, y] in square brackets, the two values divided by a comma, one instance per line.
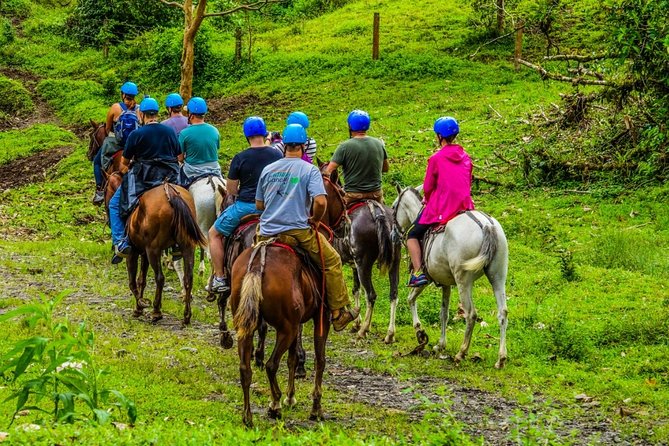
[200, 143]
[285, 194]
[242, 182]
[153, 150]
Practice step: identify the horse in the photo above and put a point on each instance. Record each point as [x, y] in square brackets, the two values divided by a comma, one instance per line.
[208, 194]
[163, 217]
[96, 138]
[471, 244]
[365, 234]
[272, 284]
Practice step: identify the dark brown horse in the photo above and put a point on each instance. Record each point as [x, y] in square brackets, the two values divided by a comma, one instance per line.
[364, 235]
[271, 284]
[96, 138]
[164, 216]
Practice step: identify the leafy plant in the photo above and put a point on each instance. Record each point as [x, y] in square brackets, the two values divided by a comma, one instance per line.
[54, 369]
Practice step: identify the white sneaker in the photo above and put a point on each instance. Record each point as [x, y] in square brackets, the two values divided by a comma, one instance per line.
[218, 285]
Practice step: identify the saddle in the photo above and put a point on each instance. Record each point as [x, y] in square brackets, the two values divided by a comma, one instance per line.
[289, 244]
[236, 243]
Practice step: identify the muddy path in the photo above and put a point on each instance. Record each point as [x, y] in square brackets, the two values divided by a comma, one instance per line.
[30, 169]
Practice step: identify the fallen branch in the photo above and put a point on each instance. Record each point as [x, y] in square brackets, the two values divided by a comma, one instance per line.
[496, 39]
[496, 112]
[559, 77]
[578, 57]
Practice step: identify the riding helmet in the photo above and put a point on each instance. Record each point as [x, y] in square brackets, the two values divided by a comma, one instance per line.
[297, 117]
[446, 127]
[149, 105]
[197, 106]
[294, 134]
[358, 121]
[173, 100]
[129, 88]
[254, 126]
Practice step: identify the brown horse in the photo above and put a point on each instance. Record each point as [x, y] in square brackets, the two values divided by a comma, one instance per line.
[364, 235]
[96, 138]
[271, 284]
[164, 216]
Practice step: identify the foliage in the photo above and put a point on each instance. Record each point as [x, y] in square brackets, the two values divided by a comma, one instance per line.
[53, 370]
[7, 34]
[75, 101]
[14, 98]
[15, 8]
[106, 22]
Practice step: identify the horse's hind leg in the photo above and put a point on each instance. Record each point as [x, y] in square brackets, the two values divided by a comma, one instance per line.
[301, 372]
[292, 366]
[179, 269]
[321, 329]
[141, 280]
[394, 278]
[154, 260]
[443, 316]
[356, 297]
[203, 254]
[498, 287]
[188, 253]
[225, 336]
[245, 347]
[465, 291]
[131, 265]
[365, 275]
[259, 353]
[283, 340]
[421, 335]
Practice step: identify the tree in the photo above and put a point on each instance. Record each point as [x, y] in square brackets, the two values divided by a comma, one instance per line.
[195, 12]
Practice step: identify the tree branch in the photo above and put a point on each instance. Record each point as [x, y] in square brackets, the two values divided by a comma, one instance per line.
[515, 30]
[175, 4]
[573, 80]
[255, 6]
[578, 57]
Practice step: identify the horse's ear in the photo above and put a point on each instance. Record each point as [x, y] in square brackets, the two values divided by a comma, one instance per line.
[320, 163]
[398, 188]
[94, 124]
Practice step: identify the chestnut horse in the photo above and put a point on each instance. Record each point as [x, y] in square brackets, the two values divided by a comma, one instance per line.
[271, 284]
[164, 216]
[96, 138]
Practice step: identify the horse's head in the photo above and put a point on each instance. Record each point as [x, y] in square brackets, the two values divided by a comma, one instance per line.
[334, 176]
[96, 137]
[407, 205]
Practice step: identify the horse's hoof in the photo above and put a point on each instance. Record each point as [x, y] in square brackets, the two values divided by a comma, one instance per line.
[362, 334]
[260, 364]
[248, 422]
[316, 416]
[421, 337]
[355, 327]
[300, 373]
[289, 402]
[458, 358]
[143, 302]
[438, 348]
[155, 318]
[389, 339]
[226, 340]
[500, 363]
[274, 414]
[185, 323]
[137, 313]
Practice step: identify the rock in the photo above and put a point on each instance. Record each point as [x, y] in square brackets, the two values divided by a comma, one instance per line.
[188, 349]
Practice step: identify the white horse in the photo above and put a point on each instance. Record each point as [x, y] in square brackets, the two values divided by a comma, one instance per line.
[208, 194]
[466, 249]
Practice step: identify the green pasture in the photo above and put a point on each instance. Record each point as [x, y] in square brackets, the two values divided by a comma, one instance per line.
[588, 274]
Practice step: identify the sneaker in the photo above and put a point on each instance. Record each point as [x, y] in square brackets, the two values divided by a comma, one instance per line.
[218, 285]
[417, 280]
[345, 317]
[99, 197]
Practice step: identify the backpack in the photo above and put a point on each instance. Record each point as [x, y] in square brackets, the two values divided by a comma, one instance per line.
[128, 121]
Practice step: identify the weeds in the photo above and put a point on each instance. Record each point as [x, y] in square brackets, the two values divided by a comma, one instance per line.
[53, 370]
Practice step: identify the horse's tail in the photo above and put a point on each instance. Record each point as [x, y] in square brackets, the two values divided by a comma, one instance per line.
[183, 223]
[248, 312]
[384, 229]
[487, 251]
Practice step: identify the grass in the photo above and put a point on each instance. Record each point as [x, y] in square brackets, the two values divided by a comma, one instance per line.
[588, 276]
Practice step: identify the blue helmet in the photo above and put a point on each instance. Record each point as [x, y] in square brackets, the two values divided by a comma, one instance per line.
[298, 117]
[173, 100]
[294, 134]
[358, 121]
[446, 127]
[254, 126]
[129, 88]
[149, 105]
[197, 106]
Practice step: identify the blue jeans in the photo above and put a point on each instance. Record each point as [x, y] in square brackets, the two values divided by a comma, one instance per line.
[229, 219]
[115, 221]
[97, 169]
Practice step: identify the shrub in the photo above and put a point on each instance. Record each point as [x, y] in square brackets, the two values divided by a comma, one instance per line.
[565, 340]
[75, 101]
[14, 98]
[6, 31]
[15, 8]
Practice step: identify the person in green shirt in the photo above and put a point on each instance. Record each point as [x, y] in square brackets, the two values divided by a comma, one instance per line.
[199, 142]
[363, 159]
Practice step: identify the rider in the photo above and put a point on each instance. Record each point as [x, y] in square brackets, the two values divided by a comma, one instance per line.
[199, 143]
[297, 117]
[153, 150]
[174, 103]
[447, 189]
[363, 159]
[245, 169]
[115, 139]
[285, 193]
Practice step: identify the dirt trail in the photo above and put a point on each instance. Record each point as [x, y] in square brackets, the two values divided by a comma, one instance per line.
[30, 169]
[43, 113]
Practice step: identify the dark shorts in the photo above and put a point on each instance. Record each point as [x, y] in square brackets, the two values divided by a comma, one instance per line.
[418, 230]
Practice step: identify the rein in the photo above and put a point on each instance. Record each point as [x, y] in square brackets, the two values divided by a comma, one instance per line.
[320, 252]
[343, 213]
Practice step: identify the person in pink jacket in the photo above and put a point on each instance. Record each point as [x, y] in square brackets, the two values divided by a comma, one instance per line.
[447, 191]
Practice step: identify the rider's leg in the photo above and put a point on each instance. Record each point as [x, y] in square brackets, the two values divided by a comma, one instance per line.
[119, 239]
[414, 237]
[99, 197]
[413, 246]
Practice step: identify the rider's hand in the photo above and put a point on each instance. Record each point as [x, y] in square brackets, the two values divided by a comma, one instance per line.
[123, 169]
[314, 223]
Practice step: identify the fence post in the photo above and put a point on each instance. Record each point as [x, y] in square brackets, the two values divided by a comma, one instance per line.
[375, 40]
[238, 45]
[500, 17]
[517, 53]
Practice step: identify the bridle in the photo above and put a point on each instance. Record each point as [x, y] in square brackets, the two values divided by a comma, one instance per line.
[340, 197]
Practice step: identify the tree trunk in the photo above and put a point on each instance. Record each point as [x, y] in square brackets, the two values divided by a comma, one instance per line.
[187, 63]
[500, 17]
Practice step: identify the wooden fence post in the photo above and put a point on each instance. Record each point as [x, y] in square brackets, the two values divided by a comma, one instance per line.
[500, 17]
[238, 44]
[375, 40]
[518, 51]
